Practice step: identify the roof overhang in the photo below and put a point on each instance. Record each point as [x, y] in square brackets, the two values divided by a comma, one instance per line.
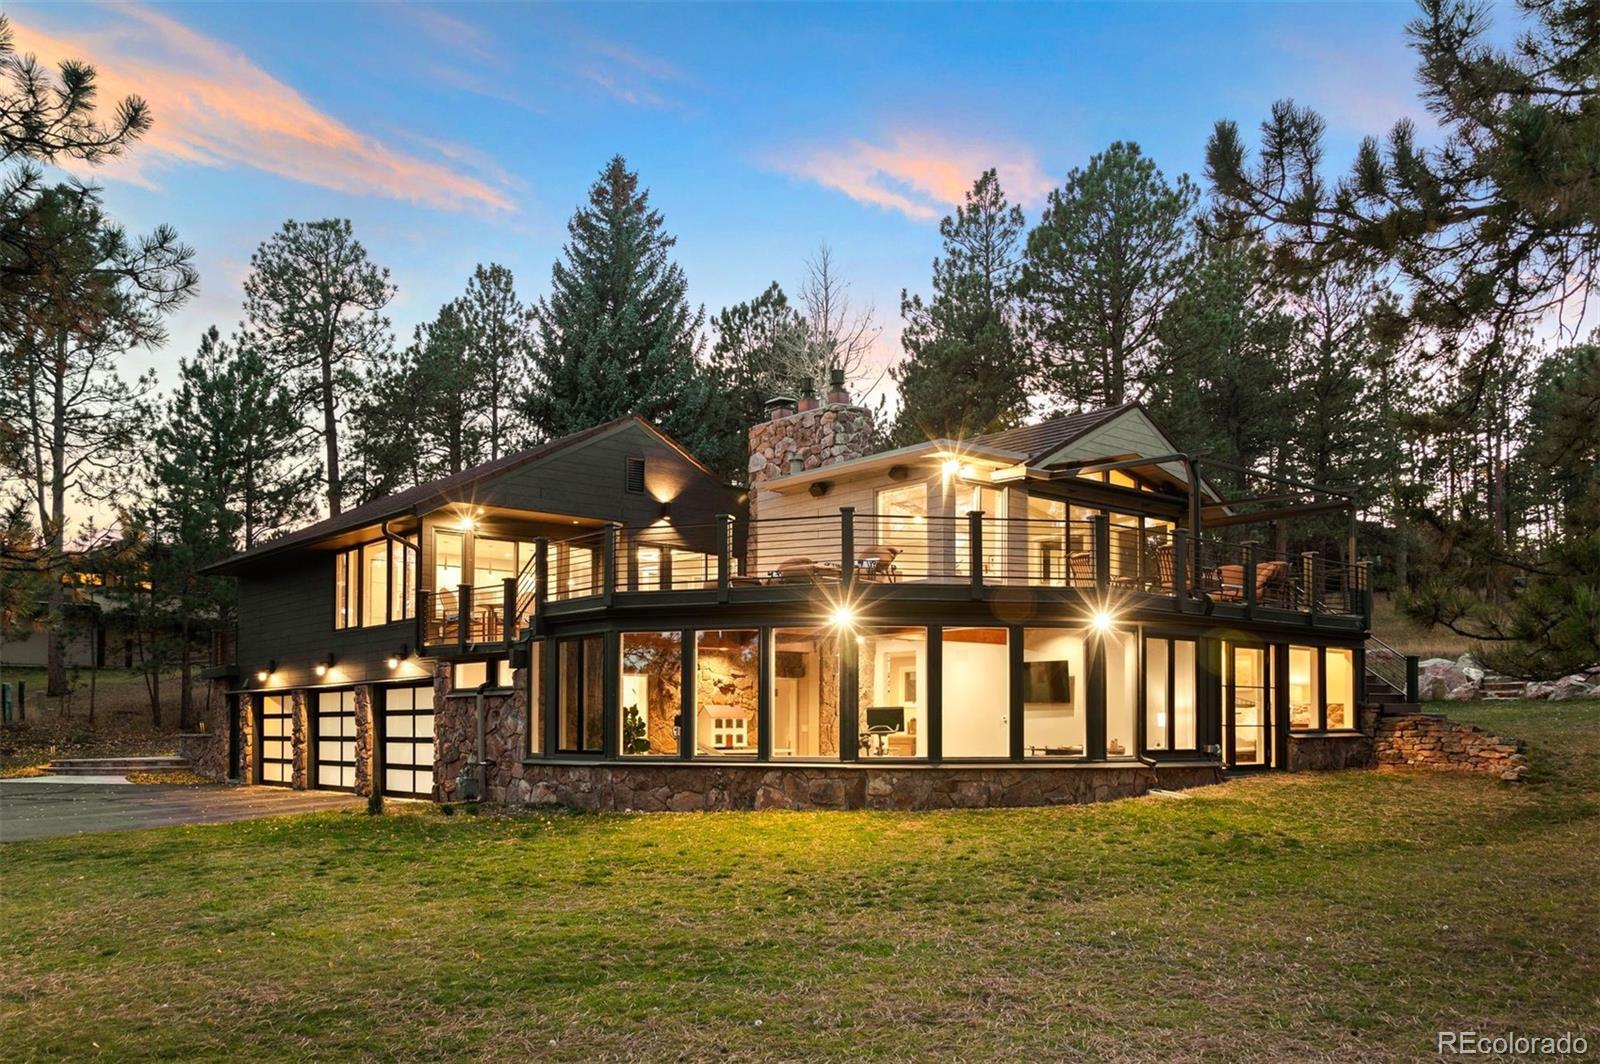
[932, 452]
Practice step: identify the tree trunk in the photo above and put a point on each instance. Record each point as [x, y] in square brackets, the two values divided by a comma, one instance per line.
[185, 677]
[330, 433]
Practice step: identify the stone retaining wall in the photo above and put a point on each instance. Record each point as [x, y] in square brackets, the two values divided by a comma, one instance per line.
[695, 787]
[1427, 740]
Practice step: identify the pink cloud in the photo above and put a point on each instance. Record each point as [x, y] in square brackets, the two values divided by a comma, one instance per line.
[918, 174]
[214, 107]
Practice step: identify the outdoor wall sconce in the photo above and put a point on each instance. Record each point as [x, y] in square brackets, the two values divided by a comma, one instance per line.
[819, 489]
[263, 675]
[321, 668]
[899, 472]
[666, 511]
[399, 656]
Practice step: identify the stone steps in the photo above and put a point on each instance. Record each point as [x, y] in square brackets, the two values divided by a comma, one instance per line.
[116, 766]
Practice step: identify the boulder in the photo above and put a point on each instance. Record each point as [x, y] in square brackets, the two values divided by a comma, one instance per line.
[1539, 689]
[1575, 686]
[1440, 679]
[1469, 665]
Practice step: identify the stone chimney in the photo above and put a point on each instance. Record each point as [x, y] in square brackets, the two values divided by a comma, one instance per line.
[822, 434]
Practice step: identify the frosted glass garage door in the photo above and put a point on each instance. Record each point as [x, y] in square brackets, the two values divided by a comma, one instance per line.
[408, 742]
[336, 739]
[275, 726]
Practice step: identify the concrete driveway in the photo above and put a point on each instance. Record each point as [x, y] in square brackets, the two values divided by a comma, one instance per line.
[39, 810]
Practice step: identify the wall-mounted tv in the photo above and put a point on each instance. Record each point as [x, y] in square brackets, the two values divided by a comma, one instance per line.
[1046, 681]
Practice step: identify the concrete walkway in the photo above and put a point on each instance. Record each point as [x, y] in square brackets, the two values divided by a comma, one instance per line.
[36, 809]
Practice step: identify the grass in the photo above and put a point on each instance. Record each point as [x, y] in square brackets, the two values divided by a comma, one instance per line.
[1276, 917]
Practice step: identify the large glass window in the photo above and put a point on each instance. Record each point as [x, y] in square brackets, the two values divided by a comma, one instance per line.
[1169, 694]
[449, 560]
[903, 525]
[374, 584]
[991, 502]
[575, 574]
[1047, 542]
[1122, 692]
[892, 691]
[1247, 690]
[580, 694]
[1053, 722]
[805, 692]
[493, 561]
[647, 568]
[1341, 687]
[727, 719]
[692, 569]
[651, 696]
[976, 715]
[1305, 688]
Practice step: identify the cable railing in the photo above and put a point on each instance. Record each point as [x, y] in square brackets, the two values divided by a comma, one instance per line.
[895, 548]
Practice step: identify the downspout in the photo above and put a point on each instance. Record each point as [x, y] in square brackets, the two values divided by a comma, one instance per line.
[482, 745]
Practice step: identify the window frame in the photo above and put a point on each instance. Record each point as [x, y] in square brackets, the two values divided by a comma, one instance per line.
[580, 693]
[350, 562]
[1172, 749]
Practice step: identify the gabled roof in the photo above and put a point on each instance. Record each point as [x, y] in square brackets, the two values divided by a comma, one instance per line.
[1039, 440]
[424, 498]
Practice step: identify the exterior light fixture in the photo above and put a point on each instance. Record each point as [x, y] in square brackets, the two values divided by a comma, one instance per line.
[467, 523]
[321, 668]
[844, 616]
[263, 675]
[951, 467]
[398, 657]
[1101, 621]
[666, 511]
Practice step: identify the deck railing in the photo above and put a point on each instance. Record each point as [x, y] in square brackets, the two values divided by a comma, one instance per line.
[893, 549]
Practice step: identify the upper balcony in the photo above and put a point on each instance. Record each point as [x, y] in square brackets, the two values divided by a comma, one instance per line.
[861, 557]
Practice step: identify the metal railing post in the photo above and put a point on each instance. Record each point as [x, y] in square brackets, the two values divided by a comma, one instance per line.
[1100, 537]
[975, 551]
[724, 557]
[1250, 578]
[463, 615]
[541, 581]
[1180, 568]
[847, 547]
[1364, 592]
[1308, 580]
[608, 572]
[1413, 678]
[508, 620]
[421, 619]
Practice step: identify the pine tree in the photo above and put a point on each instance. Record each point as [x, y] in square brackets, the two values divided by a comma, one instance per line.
[436, 382]
[966, 370]
[758, 345]
[499, 347]
[315, 302]
[616, 333]
[1104, 260]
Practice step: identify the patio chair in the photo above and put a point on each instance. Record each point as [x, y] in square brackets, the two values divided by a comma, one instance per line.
[1080, 568]
[1166, 570]
[877, 564]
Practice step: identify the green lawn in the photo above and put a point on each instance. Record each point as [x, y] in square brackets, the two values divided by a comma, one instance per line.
[1269, 918]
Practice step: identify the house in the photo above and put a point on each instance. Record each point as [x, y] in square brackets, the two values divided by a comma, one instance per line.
[1066, 611]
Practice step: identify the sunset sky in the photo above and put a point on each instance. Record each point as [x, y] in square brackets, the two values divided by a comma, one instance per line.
[455, 134]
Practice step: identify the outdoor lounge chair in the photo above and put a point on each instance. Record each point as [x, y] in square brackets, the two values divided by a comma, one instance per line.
[877, 564]
[1272, 583]
[1165, 568]
[794, 570]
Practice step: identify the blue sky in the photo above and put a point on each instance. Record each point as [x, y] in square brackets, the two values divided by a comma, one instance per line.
[464, 133]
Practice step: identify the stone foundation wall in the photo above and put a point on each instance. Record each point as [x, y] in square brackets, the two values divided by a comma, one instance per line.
[365, 730]
[207, 749]
[301, 703]
[1426, 740]
[1327, 753]
[247, 738]
[691, 787]
[455, 738]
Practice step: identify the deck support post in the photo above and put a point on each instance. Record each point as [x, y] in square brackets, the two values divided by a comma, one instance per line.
[1308, 581]
[608, 575]
[724, 557]
[847, 549]
[1180, 569]
[463, 615]
[541, 582]
[1250, 578]
[508, 617]
[1100, 537]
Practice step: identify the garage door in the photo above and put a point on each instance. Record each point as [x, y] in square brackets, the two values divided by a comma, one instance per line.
[408, 741]
[275, 726]
[336, 740]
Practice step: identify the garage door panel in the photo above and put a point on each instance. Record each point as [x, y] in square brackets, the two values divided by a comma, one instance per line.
[336, 754]
[275, 729]
[407, 747]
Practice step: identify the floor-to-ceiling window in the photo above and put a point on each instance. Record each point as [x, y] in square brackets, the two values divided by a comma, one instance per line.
[536, 718]
[991, 502]
[1169, 694]
[976, 714]
[805, 691]
[580, 694]
[1122, 692]
[727, 701]
[892, 689]
[1247, 692]
[1305, 688]
[903, 525]
[651, 695]
[1340, 672]
[1054, 721]
[1047, 542]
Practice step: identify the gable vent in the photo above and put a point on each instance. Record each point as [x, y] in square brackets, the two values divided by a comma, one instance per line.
[635, 475]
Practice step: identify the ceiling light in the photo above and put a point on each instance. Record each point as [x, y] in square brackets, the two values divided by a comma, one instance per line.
[1102, 621]
[844, 616]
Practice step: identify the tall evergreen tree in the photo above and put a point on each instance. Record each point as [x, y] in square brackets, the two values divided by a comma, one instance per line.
[499, 346]
[315, 302]
[1106, 257]
[757, 347]
[436, 382]
[616, 333]
[966, 370]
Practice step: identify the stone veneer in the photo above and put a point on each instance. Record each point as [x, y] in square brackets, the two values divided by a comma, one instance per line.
[695, 787]
[824, 435]
[455, 737]
[1431, 741]
[1332, 751]
[207, 750]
